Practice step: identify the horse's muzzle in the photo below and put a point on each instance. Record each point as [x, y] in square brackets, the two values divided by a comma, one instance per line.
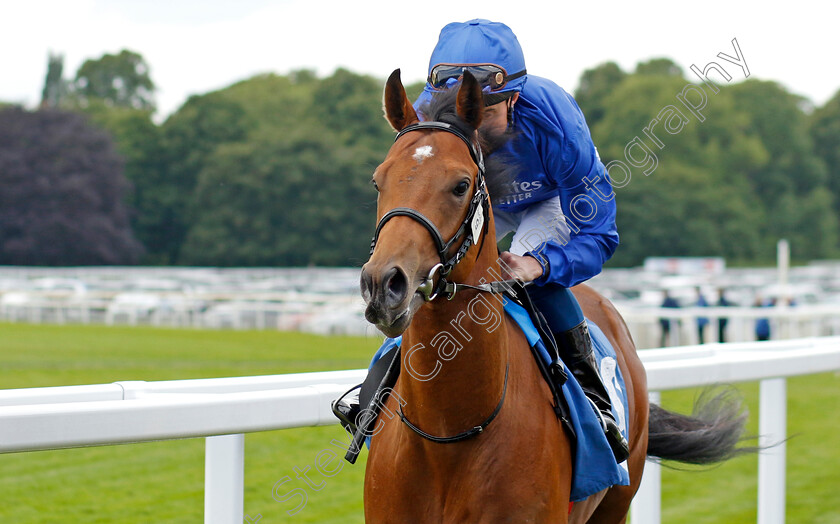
[389, 299]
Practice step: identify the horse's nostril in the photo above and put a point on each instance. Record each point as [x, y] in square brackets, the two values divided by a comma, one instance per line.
[367, 286]
[396, 285]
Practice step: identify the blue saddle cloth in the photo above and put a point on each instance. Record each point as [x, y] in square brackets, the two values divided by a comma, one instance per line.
[595, 468]
[594, 464]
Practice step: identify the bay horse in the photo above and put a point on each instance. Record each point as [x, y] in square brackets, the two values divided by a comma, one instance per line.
[467, 369]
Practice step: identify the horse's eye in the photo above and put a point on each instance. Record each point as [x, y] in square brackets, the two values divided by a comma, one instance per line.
[373, 182]
[461, 188]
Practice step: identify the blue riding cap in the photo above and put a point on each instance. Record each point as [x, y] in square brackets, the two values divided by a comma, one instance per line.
[480, 41]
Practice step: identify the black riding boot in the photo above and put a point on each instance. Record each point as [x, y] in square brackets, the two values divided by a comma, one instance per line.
[577, 346]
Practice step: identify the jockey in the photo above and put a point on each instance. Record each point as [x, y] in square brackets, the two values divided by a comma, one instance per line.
[561, 207]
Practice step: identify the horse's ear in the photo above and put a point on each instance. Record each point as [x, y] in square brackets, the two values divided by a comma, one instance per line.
[470, 103]
[398, 109]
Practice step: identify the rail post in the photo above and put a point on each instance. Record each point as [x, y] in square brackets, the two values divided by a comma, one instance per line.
[772, 426]
[646, 507]
[224, 479]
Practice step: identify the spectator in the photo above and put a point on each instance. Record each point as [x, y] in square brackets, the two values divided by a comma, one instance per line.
[702, 322]
[722, 321]
[762, 325]
[668, 302]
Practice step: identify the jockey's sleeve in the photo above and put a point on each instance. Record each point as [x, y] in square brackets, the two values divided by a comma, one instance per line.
[588, 201]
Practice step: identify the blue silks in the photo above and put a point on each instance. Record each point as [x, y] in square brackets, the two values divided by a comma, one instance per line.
[554, 152]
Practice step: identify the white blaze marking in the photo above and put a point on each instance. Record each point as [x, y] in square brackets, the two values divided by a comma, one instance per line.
[422, 153]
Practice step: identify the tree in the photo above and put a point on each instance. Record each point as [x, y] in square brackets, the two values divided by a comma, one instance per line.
[730, 185]
[793, 183]
[697, 201]
[120, 80]
[660, 67]
[271, 170]
[140, 143]
[297, 199]
[55, 87]
[63, 190]
[190, 136]
[351, 105]
[595, 85]
[776, 116]
[824, 128]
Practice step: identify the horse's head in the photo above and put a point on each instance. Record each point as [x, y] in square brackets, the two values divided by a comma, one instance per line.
[428, 206]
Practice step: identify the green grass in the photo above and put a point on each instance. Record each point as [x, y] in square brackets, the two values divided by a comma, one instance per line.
[164, 481]
[728, 494]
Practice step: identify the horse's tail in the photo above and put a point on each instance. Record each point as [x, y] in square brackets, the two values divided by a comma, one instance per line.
[710, 434]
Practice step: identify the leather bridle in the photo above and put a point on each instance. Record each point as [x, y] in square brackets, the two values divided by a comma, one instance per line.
[471, 229]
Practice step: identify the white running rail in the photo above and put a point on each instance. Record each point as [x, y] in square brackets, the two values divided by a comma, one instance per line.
[223, 409]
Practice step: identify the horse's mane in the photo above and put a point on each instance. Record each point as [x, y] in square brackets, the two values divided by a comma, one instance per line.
[500, 167]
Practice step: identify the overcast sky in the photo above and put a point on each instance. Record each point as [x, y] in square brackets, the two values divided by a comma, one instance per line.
[195, 46]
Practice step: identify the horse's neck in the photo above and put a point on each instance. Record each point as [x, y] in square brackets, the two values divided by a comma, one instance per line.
[455, 354]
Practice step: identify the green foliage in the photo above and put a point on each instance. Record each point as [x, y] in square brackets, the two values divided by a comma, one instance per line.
[276, 169]
[660, 67]
[55, 87]
[824, 129]
[120, 80]
[595, 85]
[777, 119]
[296, 199]
[273, 170]
[115, 92]
[350, 105]
[682, 207]
[190, 137]
[728, 185]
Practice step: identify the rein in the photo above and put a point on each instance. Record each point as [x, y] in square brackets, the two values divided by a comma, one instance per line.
[471, 229]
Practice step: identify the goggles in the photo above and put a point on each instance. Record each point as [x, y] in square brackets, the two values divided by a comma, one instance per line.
[489, 75]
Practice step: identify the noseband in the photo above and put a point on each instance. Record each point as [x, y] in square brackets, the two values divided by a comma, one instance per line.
[471, 228]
